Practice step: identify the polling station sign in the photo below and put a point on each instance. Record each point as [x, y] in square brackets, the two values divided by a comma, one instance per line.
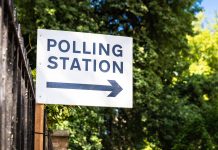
[84, 69]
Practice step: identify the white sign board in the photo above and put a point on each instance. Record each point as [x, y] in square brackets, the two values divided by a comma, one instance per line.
[86, 69]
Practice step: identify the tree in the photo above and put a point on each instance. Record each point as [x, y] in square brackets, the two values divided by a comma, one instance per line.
[199, 87]
[165, 115]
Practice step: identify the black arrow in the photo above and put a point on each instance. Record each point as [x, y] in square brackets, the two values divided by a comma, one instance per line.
[115, 88]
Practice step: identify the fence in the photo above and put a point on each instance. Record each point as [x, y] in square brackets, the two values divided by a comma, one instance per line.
[17, 99]
[47, 142]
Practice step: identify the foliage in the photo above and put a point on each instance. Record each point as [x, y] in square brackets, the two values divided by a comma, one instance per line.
[175, 103]
[203, 48]
[84, 125]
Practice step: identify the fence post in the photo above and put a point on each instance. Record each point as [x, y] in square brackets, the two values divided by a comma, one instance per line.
[39, 127]
[2, 85]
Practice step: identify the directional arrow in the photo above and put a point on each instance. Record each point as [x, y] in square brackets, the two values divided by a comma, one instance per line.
[115, 88]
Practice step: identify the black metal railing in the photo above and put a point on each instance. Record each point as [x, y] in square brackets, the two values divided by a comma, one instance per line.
[17, 93]
[47, 142]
